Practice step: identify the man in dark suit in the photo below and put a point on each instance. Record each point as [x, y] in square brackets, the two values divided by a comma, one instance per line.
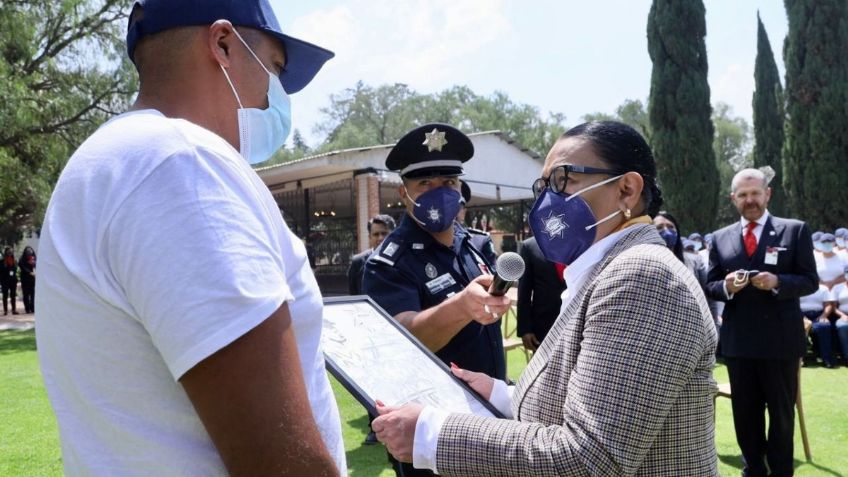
[379, 227]
[539, 295]
[762, 335]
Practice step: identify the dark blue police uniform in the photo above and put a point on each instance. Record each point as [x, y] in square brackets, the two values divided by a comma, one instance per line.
[411, 271]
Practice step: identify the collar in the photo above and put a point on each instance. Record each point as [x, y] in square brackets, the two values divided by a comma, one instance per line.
[575, 273]
[761, 221]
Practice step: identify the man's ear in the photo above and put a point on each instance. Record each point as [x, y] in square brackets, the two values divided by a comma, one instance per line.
[219, 39]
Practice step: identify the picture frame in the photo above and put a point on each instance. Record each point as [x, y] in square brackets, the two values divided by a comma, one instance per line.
[375, 357]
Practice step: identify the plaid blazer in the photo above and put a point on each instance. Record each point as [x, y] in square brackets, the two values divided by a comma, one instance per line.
[621, 386]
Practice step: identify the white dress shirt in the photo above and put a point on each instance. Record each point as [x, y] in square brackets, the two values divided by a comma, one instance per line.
[431, 419]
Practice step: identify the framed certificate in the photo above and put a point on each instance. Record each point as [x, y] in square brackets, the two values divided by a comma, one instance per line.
[375, 357]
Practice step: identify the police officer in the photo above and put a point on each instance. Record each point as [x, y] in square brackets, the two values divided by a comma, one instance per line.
[426, 273]
[480, 239]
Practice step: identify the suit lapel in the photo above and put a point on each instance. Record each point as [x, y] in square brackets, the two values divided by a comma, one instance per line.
[737, 241]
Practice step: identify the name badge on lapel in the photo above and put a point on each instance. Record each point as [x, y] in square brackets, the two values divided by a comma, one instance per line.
[771, 255]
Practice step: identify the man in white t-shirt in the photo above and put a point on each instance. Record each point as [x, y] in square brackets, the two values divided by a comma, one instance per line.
[179, 322]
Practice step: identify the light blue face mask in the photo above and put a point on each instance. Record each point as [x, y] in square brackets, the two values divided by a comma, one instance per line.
[262, 132]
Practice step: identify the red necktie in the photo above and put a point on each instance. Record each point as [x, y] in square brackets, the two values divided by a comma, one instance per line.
[560, 268]
[750, 239]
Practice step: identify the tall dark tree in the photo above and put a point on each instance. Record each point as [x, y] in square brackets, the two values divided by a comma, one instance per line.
[63, 72]
[768, 117]
[816, 146]
[679, 111]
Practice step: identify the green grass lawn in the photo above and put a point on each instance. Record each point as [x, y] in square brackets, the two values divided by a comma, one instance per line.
[29, 443]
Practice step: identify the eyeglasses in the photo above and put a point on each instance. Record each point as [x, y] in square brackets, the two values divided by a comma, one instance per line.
[559, 177]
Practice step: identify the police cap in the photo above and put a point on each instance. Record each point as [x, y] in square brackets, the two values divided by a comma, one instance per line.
[430, 150]
[466, 192]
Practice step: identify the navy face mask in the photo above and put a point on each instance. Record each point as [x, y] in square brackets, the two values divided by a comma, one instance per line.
[564, 225]
[436, 209]
[670, 237]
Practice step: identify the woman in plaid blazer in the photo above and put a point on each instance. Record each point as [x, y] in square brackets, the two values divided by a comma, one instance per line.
[623, 383]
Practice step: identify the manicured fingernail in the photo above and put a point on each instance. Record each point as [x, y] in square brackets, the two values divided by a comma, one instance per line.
[380, 403]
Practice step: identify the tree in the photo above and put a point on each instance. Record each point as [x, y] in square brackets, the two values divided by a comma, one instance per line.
[679, 111]
[631, 112]
[768, 117]
[816, 144]
[61, 76]
[732, 146]
[366, 116]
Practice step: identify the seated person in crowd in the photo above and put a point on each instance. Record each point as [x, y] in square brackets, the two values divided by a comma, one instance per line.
[839, 296]
[817, 308]
[841, 235]
[829, 265]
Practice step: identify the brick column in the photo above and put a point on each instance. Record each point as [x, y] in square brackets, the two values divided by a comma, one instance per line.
[367, 205]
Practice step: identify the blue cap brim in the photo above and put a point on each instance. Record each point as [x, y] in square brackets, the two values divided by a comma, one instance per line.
[303, 61]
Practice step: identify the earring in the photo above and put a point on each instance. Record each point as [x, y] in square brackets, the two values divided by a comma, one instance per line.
[627, 214]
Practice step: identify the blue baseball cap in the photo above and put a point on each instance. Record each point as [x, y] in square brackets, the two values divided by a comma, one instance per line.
[303, 60]
[841, 232]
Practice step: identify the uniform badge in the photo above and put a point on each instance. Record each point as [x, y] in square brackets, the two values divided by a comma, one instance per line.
[390, 249]
[431, 271]
[555, 225]
[434, 140]
[435, 215]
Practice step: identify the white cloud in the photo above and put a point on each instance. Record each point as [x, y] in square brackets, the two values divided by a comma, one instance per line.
[425, 44]
[420, 42]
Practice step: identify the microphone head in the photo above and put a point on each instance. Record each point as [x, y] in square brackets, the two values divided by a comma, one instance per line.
[510, 266]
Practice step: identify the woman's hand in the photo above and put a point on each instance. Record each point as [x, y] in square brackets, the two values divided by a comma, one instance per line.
[481, 383]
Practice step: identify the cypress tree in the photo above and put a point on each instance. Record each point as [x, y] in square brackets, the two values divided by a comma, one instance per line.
[679, 112]
[816, 145]
[768, 117]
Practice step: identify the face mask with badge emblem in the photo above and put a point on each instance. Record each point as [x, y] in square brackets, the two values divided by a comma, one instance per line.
[436, 209]
[564, 224]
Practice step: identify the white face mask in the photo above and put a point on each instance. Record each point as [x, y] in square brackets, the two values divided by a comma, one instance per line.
[262, 132]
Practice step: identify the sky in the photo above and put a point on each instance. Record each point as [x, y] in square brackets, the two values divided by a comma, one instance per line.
[565, 56]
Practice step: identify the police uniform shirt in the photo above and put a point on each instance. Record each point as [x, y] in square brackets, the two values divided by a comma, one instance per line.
[412, 271]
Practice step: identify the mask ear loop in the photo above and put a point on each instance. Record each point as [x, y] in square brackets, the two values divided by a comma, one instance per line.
[593, 186]
[231, 85]
[406, 193]
[608, 217]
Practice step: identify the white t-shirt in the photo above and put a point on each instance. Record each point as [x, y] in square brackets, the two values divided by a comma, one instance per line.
[160, 246]
[829, 268]
[839, 294]
[816, 300]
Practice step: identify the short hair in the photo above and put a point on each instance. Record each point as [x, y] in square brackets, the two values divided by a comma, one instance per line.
[625, 150]
[382, 219]
[745, 174]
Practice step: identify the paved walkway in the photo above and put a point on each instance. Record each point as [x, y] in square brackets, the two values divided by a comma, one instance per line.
[23, 321]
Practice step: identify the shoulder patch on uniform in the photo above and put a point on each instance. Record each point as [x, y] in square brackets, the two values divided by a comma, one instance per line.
[390, 249]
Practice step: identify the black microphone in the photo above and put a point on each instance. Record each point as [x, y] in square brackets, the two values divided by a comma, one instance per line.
[510, 267]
